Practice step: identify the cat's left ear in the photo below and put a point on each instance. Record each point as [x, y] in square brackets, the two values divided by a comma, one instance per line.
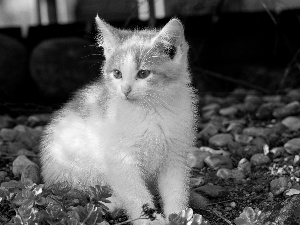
[108, 37]
[171, 37]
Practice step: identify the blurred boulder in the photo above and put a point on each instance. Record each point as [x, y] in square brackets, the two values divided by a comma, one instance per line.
[13, 68]
[60, 66]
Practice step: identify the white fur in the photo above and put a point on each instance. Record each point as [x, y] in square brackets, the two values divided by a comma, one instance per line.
[126, 144]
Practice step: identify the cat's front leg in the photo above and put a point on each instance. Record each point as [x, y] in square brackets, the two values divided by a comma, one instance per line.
[129, 187]
[173, 188]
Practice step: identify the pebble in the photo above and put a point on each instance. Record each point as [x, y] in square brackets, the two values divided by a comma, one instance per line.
[259, 142]
[209, 131]
[292, 122]
[218, 161]
[221, 140]
[25, 152]
[212, 106]
[7, 134]
[30, 174]
[245, 166]
[293, 146]
[272, 98]
[277, 152]
[238, 174]
[230, 111]
[278, 186]
[293, 95]
[224, 173]
[257, 131]
[265, 111]
[208, 115]
[20, 163]
[235, 127]
[6, 122]
[3, 174]
[14, 147]
[196, 181]
[287, 110]
[250, 150]
[243, 139]
[213, 191]
[259, 159]
[254, 99]
[196, 158]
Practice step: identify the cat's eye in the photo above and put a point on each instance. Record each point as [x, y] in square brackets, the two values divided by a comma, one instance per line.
[142, 74]
[117, 74]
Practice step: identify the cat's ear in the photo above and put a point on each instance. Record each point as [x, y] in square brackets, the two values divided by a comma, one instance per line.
[108, 36]
[171, 37]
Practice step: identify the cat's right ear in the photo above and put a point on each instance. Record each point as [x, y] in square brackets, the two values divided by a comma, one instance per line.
[108, 36]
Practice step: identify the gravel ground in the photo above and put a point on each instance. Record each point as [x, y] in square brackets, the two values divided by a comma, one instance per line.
[247, 153]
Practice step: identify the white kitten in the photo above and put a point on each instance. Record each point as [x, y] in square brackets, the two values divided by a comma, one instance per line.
[131, 128]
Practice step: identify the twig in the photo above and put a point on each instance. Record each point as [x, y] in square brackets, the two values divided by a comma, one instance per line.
[232, 80]
[288, 69]
[222, 217]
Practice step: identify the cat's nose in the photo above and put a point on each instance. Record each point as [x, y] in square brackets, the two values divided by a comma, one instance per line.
[126, 90]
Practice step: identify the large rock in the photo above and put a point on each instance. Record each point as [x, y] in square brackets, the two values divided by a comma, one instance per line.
[60, 66]
[13, 68]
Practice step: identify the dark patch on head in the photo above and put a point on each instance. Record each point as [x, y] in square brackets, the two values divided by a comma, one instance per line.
[170, 51]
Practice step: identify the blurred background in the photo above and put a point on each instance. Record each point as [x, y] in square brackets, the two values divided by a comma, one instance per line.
[47, 47]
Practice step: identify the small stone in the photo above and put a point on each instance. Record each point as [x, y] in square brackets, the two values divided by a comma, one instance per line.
[208, 115]
[20, 163]
[259, 159]
[14, 147]
[279, 185]
[296, 161]
[196, 158]
[8, 134]
[235, 126]
[213, 191]
[209, 131]
[250, 150]
[232, 204]
[21, 119]
[277, 151]
[218, 161]
[25, 152]
[292, 122]
[293, 146]
[6, 122]
[20, 128]
[287, 110]
[245, 166]
[257, 131]
[265, 111]
[215, 152]
[224, 173]
[230, 111]
[272, 98]
[253, 99]
[3, 174]
[238, 174]
[212, 106]
[196, 181]
[220, 140]
[259, 142]
[293, 95]
[243, 139]
[30, 174]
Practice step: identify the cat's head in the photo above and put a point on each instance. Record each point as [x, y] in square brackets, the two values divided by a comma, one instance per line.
[145, 63]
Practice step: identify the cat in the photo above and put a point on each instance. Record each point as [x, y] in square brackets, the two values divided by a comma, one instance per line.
[132, 127]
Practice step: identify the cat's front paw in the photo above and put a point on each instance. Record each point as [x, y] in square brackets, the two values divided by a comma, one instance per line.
[186, 217]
